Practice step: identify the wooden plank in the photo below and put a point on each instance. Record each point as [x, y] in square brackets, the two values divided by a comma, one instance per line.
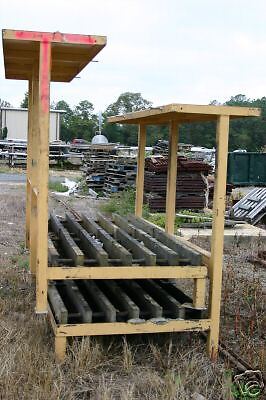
[43, 177]
[57, 305]
[106, 224]
[177, 112]
[77, 298]
[127, 303]
[138, 249]
[171, 179]
[162, 297]
[216, 262]
[180, 245]
[121, 328]
[53, 254]
[157, 247]
[71, 249]
[114, 249]
[94, 248]
[143, 299]
[101, 300]
[154, 272]
[140, 170]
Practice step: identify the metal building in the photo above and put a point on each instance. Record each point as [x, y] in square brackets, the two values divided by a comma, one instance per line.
[16, 122]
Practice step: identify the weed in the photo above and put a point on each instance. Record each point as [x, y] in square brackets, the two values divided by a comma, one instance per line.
[123, 203]
[57, 187]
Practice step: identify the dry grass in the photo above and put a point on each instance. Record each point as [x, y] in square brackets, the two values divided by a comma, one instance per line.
[139, 367]
[163, 367]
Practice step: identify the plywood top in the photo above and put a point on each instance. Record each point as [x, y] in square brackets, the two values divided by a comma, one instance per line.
[183, 113]
[70, 53]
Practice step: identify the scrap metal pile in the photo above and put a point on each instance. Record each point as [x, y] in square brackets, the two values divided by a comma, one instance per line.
[190, 183]
[14, 153]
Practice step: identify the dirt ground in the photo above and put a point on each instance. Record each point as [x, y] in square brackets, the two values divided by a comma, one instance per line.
[168, 366]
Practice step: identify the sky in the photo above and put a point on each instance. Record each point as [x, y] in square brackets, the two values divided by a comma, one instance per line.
[190, 51]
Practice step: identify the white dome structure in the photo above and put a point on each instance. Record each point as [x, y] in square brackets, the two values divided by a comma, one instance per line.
[99, 139]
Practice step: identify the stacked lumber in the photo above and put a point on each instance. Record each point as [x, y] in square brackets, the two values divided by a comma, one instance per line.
[95, 164]
[190, 183]
[120, 174]
[108, 173]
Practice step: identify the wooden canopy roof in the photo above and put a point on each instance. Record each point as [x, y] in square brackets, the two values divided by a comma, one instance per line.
[70, 53]
[183, 113]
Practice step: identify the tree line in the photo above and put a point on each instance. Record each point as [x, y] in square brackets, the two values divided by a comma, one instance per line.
[81, 121]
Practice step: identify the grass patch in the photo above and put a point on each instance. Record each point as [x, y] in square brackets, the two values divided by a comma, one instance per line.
[123, 203]
[57, 187]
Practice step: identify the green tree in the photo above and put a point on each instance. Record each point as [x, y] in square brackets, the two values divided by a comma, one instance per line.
[126, 102]
[25, 101]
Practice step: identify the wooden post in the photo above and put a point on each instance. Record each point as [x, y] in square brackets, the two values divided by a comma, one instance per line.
[140, 170]
[29, 163]
[171, 178]
[43, 176]
[60, 348]
[33, 178]
[199, 293]
[216, 262]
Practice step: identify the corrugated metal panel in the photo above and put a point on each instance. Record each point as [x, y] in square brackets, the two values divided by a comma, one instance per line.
[16, 121]
[252, 207]
[246, 169]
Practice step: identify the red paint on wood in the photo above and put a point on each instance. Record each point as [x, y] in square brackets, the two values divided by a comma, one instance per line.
[56, 36]
[81, 39]
[27, 35]
[45, 74]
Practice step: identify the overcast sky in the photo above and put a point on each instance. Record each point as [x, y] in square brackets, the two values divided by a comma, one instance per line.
[190, 51]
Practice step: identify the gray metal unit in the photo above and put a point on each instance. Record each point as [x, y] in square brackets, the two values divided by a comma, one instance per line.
[251, 208]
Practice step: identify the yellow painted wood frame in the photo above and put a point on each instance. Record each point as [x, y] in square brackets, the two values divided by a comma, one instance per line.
[174, 115]
[42, 57]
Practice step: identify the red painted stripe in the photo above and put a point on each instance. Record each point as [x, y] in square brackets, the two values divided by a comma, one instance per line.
[56, 36]
[45, 74]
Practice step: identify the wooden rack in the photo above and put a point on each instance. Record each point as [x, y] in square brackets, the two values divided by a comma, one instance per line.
[42, 57]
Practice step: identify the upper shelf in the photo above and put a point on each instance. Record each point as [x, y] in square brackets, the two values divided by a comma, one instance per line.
[183, 113]
[70, 53]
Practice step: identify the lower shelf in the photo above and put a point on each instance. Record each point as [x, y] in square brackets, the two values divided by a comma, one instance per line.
[118, 301]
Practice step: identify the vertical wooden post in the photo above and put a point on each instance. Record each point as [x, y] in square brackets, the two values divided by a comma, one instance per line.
[140, 170]
[216, 261]
[60, 348]
[29, 163]
[33, 179]
[171, 178]
[199, 293]
[43, 176]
